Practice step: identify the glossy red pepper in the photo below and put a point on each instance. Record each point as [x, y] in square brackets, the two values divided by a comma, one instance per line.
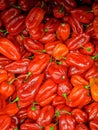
[38, 64]
[45, 116]
[63, 31]
[84, 63]
[8, 49]
[5, 122]
[10, 109]
[30, 88]
[18, 67]
[67, 122]
[83, 15]
[77, 80]
[46, 93]
[33, 111]
[34, 17]
[51, 127]
[16, 25]
[58, 100]
[7, 89]
[3, 75]
[77, 42]
[79, 115]
[64, 88]
[75, 98]
[57, 72]
[2, 102]
[60, 51]
[59, 11]
[33, 46]
[9, 14]
[76, 26]
[51, 25]
[48, 37]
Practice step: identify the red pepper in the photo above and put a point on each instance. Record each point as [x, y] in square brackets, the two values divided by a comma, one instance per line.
[87, 49]
[46, 93]
[3, 75]
[38, 64]
[30, 88]
[75, 97]
[10, 109]
[84, 63]
[77, 80]
[18, 67]
[33, 46]
[9, 14]
[64, 88]
[63, 31]
[16, 25]
[7, 89]
[50, 46]
[67, 122]
[77, 42]
[58, 100]
[34, 17]
[83, 15]
[92, 72]
[57, 72]
[93, 124]
[29, 126]
[59, 11]
[51, 127]
[60, 51]
[5, 122]
[76, 26]
[33, 111]
[8, 49]
[79, 115]
[45, 116]
[3, 4]
[51, 25]
[48, 37]
[81, 126]
[37, 32]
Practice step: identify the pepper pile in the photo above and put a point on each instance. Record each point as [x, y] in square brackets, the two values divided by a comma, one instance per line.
[48, 65]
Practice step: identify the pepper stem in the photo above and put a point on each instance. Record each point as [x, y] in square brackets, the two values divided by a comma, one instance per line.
[15, 100]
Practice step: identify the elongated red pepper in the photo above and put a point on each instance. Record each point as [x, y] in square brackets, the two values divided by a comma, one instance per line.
[8, 49]
[18, 67]
[38, 64]
[30, 88]
[46, 92]
[45, 116]
[9, 14]
[16, 25]
[34, 17]
[77, 42]
[3, 4]
[84, 63]
[33, 46]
